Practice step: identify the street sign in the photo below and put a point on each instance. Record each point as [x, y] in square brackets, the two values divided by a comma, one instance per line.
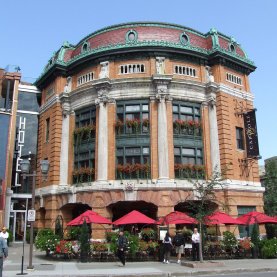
[31, 215]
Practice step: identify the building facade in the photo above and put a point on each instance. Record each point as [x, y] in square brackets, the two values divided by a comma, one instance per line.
[9, 81]
[134, 112]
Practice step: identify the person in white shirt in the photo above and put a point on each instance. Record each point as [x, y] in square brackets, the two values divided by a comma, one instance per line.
[4, 234]
[195, 244]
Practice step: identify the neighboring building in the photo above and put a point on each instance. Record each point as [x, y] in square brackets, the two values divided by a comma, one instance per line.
[9, 80]
[25, 148]
[133, 111]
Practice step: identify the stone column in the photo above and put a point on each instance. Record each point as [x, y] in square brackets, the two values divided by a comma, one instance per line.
[66, 110]
[215, 154]
[162, 95]
[102, 143]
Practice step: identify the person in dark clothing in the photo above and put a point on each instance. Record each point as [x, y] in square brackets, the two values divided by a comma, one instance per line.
[167, 247]
[178, 242]
[121, 247]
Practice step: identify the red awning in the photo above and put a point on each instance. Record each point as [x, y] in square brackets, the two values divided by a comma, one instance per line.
[218, 218]
[256, 217]
[90, 217]
[134, 217]
[177, 218]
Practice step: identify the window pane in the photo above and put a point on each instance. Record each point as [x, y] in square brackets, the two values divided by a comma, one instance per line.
[145, 116]
[177, 160]
[184, 109]
[199, 161]
[120, 152]
[145, 150]
[196, 111]
[129, 116]
[188, 151]
[177, 151]
[175, 117]
[132, 151]
[120, 109]
[133, 108]
[199, 152]
[175, 108]
[145, 107]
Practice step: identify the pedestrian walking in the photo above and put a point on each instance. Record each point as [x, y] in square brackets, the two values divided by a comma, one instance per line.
[3, 253]
[121, 247]
[4, 234]
[195, 244]
[178, 242]
[167, 243]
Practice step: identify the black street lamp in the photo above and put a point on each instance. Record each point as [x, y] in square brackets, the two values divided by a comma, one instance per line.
[25, 168]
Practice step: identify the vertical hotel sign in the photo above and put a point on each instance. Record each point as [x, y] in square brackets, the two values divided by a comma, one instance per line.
[20, 145]
[251, 134]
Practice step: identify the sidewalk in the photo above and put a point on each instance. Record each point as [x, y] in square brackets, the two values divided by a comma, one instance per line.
[49, 267]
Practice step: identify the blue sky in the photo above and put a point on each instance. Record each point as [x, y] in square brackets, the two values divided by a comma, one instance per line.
[32, 30]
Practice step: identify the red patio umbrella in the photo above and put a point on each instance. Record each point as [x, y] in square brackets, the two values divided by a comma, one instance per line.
[134, 217]
[90, 217]
[177, 218]
[218, 218]
[256, 217]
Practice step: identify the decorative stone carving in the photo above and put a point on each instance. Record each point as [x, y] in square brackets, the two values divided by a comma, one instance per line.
[65, 102]
[209, 74]
[104, 71]
[212, 101]
[68, 85]
[160, 65]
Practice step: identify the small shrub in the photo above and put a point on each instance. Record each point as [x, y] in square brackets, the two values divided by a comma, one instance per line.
[74, 232]
[229, 240]
[148, 234]
[268, 248]
[46, 240]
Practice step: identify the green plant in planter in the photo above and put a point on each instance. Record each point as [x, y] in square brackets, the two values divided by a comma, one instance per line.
[46, 240]
[74, 232]
[148, 234]
[84, 243]
[268, 248]
[229, 241]
[10, 237]
[255, 241]
[133, 244]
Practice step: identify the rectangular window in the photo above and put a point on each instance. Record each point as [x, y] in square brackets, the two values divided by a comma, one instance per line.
[239, 137]
[184, 70]
[132, 119]
[233, 79]
[83, 79]
[186, 119]
[47, 129]
[245, 231]
[133, 162]
[131, 68]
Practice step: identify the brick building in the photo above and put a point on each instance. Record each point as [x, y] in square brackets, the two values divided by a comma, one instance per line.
[134, 110]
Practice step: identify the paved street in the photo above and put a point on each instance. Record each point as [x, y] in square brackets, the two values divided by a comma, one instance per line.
[45, 267]
[251, 274]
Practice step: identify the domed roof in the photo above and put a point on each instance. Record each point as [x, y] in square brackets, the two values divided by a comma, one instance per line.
[143, 36]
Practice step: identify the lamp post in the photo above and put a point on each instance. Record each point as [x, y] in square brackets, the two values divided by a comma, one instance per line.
[25, 168]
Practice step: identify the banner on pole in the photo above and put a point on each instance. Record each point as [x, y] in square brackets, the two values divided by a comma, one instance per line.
[251, 134]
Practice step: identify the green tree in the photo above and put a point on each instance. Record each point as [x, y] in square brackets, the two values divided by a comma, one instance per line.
[84, 242]
[204, 194]
[270, 195]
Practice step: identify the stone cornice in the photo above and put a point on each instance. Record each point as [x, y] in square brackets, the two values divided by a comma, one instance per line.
[115, 185]
[53, 100]
[236, 92]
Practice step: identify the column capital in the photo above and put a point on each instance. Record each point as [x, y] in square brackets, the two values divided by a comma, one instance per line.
[65, 102]
[161, 83]
[103, 88]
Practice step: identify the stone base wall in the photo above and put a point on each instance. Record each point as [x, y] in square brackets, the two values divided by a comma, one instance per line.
[164, 199]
